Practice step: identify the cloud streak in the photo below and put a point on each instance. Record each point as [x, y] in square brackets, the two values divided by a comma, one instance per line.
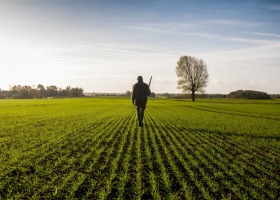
[264, 34]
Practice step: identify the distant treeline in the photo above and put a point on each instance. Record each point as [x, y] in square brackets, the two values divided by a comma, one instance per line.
[28, 92]
[189, 96]
[239, 94]
[248, 94]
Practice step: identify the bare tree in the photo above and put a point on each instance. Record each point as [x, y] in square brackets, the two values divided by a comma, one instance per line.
[192, 74]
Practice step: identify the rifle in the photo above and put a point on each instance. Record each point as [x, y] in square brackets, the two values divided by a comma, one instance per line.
[150, 81]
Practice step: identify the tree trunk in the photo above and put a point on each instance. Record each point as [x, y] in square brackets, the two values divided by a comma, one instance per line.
[193, 95]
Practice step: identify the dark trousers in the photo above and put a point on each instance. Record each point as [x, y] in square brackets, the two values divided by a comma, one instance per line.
[140, 112]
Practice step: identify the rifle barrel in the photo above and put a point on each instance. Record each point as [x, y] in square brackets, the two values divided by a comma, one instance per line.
[150, 81]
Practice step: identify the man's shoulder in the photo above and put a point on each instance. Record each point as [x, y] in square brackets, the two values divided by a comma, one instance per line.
[141, 85]
[145, 84]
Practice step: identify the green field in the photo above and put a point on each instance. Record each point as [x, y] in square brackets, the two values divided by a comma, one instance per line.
[92, 148]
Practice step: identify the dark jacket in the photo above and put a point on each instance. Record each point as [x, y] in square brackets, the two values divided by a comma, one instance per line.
[140, 92]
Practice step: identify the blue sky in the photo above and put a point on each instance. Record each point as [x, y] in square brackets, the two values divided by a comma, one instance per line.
[103, 45]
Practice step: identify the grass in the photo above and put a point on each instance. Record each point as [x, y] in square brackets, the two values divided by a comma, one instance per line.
[92, 148]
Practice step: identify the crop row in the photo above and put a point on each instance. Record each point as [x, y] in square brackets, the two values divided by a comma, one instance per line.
[222, 166]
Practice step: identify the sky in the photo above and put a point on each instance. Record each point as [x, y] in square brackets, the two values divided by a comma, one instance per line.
[103, 45]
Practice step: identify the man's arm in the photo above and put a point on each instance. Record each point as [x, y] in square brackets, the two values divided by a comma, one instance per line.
[133, 94]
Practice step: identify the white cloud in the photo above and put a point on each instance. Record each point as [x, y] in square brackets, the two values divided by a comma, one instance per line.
[197, 29]
[229, 22]
[147, 29]
[264, 34]
[249, 53]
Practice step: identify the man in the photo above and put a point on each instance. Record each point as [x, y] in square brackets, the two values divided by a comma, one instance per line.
[140, 92]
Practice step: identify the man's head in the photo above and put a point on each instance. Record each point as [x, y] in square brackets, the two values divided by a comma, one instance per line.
[140, 79]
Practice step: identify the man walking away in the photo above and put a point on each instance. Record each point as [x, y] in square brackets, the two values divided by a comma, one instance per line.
[140, 92]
